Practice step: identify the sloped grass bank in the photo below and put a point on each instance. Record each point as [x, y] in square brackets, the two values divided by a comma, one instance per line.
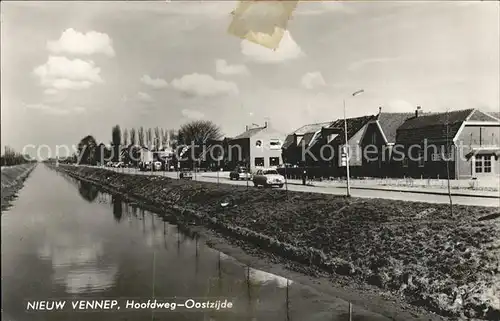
[448, 262]
[12, 181]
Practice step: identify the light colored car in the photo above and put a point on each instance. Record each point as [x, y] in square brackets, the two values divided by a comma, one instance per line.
[158, 166]
[239, 172]
[268, 177]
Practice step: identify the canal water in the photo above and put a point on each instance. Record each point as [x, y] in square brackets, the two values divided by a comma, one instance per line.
[64, 240]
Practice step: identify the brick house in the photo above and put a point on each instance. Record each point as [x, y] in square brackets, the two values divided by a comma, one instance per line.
[318, 147]
[257, 147]
[469, 139]
[294, 142]
[377, 143]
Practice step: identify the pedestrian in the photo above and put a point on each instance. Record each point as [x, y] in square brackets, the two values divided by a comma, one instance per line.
[304, 175]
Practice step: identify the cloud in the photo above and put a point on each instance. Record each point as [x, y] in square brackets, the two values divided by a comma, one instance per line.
[156, 83]
[287, 50]
[74, 42]
[317, 8]
[50, 91]
[192, 114]
[204, 86]
[399, 105]
[55, 110]
[63, 73]
[223, 68]
[144, 97]
[361, 63]
[311, 80]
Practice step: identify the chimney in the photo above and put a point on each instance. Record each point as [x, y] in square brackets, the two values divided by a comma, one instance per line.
[379, 110]
[246, 128]
[417, 111]
[265, 124]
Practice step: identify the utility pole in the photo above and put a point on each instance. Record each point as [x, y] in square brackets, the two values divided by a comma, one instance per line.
[348, 194]
[218, 169]
[448, 152]
[347, 154]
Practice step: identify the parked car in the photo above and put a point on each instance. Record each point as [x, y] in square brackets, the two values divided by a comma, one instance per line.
[239, 173]
[186, 174]
[268, 177]
[118, 164]
[146, 166]
[158, 166]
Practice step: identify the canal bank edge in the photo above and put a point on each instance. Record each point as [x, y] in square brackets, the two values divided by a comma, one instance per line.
[13, 178]
[309, 256]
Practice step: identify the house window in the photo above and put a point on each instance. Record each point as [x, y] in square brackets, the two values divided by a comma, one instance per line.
[483, 164]
[374, 139]
[405, 162]
[275, 144]
[259, 161]
[487, 164]
[258, 143]
[274, 161]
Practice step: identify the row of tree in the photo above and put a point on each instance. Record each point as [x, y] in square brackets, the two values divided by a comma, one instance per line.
[11, 157]
[126, 145]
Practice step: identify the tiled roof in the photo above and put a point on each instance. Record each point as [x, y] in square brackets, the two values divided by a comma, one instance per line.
[496, 115]
[432, 127]
[249, 133]
[434, 119]
[354, 125]
[309, 128]
[390, 122]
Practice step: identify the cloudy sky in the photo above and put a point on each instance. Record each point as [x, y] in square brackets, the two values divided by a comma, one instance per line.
[72, 69]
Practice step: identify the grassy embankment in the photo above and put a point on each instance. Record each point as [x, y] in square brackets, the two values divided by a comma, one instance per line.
[446, 262]
[13, 178]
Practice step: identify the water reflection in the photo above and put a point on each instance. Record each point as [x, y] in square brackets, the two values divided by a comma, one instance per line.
[76, 249]
[88, 191]
[117, 208]
[75, 263]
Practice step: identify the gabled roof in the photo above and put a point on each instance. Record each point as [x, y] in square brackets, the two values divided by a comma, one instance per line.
[354, 125]
[496, 115]
[311, 128]
[436, 119]
[390, 122]
[433, 126]
[303, 131]
[249, 133]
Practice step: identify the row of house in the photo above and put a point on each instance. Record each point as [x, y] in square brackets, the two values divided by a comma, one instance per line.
[458, 144]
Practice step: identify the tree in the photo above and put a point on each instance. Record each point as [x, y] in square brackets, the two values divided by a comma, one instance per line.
[100, 153]
[115, 141]
[86, 150]
[163, 136]
[199, 131]
[132, 136]
[125, 137]
[149, 137]
[157, 139]
[140, 135]
[180, 138]
[172, 138]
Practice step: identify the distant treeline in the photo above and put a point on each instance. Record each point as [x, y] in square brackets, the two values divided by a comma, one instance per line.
[125, 145]
[11, 157]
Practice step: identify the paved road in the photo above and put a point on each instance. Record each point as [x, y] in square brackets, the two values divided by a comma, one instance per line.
[405, 196]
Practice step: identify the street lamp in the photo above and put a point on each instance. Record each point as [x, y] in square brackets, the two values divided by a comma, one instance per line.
[347, 156]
